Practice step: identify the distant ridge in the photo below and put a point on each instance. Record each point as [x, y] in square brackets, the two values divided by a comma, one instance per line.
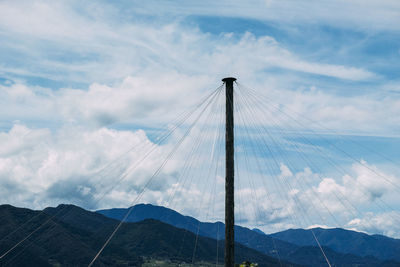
[245, 236]
[345, 241]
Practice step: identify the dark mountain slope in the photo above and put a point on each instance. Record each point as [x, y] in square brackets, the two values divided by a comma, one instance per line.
[152, 238]
[54, 242]
[73, 236]
[345, 241]
[142, 212]
[245, 236]
[156, 239]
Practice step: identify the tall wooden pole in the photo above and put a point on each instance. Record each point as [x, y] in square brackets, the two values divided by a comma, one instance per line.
[229, 175]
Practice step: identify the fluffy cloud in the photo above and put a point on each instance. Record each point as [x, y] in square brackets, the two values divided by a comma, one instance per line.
[354, 196]
[102, 167]
[366, 185]
[144, 100]
[382, 223]
[134, 99]
[43, 168]
[21, 138]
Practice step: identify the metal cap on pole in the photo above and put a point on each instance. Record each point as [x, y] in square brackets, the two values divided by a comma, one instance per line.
[229, 175]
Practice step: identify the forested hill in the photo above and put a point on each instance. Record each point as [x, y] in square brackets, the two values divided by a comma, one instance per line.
[71, 236]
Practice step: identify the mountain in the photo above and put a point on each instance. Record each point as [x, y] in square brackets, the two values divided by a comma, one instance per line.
[141, 212]
[345, 241]
[64, 236]
[304, 254]
[258, 231]
[243, 235]
[71, 236]
[312, 256]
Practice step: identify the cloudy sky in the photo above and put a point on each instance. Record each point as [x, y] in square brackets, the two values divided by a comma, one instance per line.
[91, 95]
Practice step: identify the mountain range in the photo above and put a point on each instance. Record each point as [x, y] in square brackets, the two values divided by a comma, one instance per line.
[71, 236]
[345, 241]
[341, 246]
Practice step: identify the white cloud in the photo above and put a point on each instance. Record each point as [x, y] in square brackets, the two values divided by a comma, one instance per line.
[256, 54]
[142, 99]
[350, 203]
[101, 167]
[366, 185]
[43, 168]
[325, 197]
[318, 226]
[21, 138]
[382, 223]
[84, 166]
[320, 111]
[134, 99]
[285, 171]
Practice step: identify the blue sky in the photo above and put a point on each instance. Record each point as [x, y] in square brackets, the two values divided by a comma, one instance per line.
[82, 82]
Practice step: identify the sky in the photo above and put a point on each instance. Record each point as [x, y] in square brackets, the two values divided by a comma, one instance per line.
[89, 89]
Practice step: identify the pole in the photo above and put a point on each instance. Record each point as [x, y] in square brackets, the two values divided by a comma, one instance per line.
[229, 174]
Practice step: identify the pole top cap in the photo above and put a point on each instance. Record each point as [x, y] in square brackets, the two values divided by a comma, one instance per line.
[228, 79]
